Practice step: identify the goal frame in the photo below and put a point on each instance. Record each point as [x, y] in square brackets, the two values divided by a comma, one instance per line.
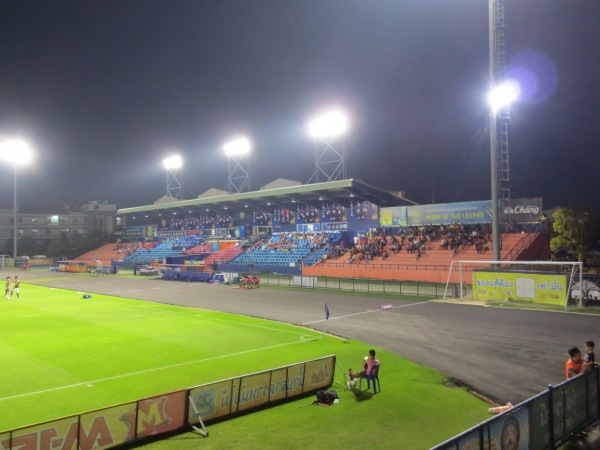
[574, 265]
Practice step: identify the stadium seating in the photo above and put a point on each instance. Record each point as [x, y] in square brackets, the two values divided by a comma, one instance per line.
[158, 253]
[432, 265]
[223, 256]
[283, 249]
[106, 253]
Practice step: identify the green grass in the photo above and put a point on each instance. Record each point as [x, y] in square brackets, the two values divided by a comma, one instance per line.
[63, 355]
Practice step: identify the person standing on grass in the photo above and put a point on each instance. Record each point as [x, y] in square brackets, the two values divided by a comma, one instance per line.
[15, 288]
[7, 290]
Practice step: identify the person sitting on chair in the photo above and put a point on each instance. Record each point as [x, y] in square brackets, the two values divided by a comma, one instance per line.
[369, 365]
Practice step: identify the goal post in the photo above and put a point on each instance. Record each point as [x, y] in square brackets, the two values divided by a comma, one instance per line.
[525, 286]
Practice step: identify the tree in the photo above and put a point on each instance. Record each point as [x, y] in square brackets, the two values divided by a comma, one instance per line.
[573, 231]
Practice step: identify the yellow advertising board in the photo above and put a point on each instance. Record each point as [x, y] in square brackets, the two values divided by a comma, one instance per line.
[60, 434]
[106, 428]
[318, 374]
[535, 288]
[251, 391]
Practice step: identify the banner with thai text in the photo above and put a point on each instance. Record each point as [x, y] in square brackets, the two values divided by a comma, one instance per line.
[251, 391]
[536, 288]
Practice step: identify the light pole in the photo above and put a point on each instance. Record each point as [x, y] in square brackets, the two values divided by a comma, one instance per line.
[330, 162]
[499, 97]
[17, 152]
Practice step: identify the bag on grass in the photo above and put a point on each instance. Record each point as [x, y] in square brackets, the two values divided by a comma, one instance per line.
[326, 397]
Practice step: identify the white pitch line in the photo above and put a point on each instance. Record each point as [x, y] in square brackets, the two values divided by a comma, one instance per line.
[154, 369]
[369, 311]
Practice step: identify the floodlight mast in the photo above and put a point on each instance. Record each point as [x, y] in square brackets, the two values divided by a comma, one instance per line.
[172, 165]
[17, 152]
[238, 172]
[327, 131]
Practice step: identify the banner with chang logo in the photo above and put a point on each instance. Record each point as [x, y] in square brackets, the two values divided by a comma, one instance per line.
[522, 209]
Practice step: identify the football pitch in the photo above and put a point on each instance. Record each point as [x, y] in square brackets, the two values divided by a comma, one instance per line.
[63, 354]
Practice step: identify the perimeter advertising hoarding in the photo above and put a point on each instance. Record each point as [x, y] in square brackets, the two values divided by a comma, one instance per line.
[548, 289]
[241, 393]
[117, 425]
[439, 214]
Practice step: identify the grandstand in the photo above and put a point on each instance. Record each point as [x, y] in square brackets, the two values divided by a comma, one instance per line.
[298, 229]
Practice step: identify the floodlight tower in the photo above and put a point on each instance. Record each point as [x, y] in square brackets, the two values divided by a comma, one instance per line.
[327, 131]
[172, 166]
[17, 152]
[238, 173]
[497, 74]
[500, 97]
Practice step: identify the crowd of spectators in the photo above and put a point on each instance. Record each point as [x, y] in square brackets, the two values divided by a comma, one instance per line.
[416, 240]
[128, 248]
[288, 242]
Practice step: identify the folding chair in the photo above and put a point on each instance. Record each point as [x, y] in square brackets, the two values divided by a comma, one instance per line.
[373, 377]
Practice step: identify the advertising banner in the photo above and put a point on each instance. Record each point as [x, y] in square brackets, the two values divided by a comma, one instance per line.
[250, 391]
[438, 214]
[253, 391]
[212, 401]
[158, 415]
[536, 288]
[522, 209]
[106, 428]
[318, 374]
[60, 434]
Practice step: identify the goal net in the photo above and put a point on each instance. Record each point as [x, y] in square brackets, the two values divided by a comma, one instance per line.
[544, 282]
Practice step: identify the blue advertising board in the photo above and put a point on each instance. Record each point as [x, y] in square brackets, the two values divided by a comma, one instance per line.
[438, 214]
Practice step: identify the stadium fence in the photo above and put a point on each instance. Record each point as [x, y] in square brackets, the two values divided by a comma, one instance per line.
[543, 422]
[364, 285]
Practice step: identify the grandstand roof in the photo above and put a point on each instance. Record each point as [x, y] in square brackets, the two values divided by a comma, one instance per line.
[341, 192]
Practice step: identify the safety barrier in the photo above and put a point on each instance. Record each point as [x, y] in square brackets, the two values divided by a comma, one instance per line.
[544, 422]
[150, 417]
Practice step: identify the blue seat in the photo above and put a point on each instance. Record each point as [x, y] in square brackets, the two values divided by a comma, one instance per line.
[374, 377]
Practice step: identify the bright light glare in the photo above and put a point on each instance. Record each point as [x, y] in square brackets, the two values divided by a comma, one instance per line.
[504, 94]
[16, 151]
[237, 147]
[330, 124]
[173, 162]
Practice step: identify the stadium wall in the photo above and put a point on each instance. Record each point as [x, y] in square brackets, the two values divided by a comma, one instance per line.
[150, 417]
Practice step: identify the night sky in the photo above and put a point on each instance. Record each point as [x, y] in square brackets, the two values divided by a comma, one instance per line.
[105, 89]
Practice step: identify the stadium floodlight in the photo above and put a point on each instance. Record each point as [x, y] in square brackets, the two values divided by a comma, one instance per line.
[172, 165]
[173, 162]
[18, 152]
[238, 147]
[238, 170]
[503, 95]
[327, 130]
[500, 96]
[333, 123]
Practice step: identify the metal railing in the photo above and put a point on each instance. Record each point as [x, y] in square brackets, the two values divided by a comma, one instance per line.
[544, 422]
[363, 285]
